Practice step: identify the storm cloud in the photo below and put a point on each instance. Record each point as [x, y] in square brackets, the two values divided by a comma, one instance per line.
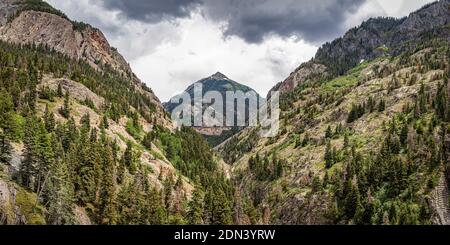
[152, 11]
[311, 20]
[252, 20]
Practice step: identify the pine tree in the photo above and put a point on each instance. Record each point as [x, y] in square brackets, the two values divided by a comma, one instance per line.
[338, 129]
[85, 121]
[93, 137]
[195, 208]
[6, 106]
[208, 206]
[45, 159]
[168, 188]
[422, 100]
[104, 124]
[381, 105]
[404, 135]
[316, 184]
[31, 96]
[346, 141]
[148, 140]
[278, 169]
[157, 214]
[5, 148]
[127, 199]
[352, 199]
[326, 180]
[352, 116]
[129, 158]
[59, 91]
[28, 166]
[329, 133]
[65, 110]
[49, 120]
[222, 211]
[329, 158]
[60, 192]
[371, 104]
[441, 103]
[108, 211]
[137, 203]
[87, 165]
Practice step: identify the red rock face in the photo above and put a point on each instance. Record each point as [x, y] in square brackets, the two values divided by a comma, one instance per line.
[60, 34]
[99, 38]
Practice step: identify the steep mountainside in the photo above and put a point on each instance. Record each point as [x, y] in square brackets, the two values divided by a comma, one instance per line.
[222, 84]
[374, 38]
[364, 132]
[31, 21]
[36, 22]
[364, 137]
[83, 141]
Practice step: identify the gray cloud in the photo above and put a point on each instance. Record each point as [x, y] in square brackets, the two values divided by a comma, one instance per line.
[153, 10]
[252, 20]
[311, 20]
[162, 52]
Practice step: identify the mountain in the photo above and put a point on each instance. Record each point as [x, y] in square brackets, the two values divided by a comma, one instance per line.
[27, 21]
[364, 132]
[84, 141]
[373, 38]
[215, 83]
[36, 22]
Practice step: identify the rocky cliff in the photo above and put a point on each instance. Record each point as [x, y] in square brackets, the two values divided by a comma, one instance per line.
[20, 23]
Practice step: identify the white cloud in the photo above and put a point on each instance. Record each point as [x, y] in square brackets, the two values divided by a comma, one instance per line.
[400, 8]
[392, 8]
[169, 56]
[202, 50]
[132, 38]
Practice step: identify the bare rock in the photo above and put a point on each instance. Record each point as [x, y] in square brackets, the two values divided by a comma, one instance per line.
[75, 89]
[60, 34]
[440, 203]
[307, 71]
[81, 217]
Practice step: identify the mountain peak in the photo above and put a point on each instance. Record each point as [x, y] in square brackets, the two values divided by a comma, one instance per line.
[219, 76]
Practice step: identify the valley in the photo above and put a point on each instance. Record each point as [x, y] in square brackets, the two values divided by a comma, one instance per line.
[364, 133]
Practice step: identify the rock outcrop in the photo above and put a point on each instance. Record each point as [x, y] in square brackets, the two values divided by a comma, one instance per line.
[62, 35]
[307, 71]
[7, 9]
[440, 202]
[75, 89]
[17, 206]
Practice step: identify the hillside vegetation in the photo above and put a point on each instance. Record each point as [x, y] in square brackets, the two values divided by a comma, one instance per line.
[113, 162]
[368, 147]
[364, 137]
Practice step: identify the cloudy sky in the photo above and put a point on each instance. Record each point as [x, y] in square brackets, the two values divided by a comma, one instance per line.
[173, 43]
